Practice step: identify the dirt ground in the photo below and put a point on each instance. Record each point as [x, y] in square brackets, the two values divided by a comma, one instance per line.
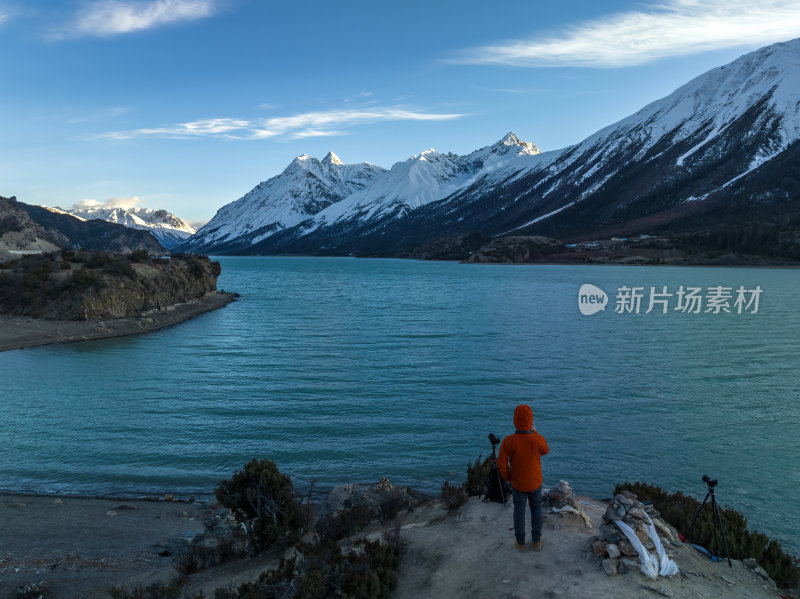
[17, 332]
[81, 547]
[472, 554]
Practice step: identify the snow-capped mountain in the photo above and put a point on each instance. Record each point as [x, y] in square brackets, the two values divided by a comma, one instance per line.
[686, 159]
[302, 190]
[311, 194]
[167, 228]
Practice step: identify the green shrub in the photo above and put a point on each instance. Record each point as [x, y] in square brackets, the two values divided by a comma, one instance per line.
[367, 572]
[322, 569]
[38, 275]
[344, 523]
[678, 510]
[65, 266]
[156, 590]
[120, 267]
[81, 279]
[98, 260]
[477, 474]
[453, 497]
[261, 498]
[392, 502]
[195, 557]
[140, 255]
[196, 268]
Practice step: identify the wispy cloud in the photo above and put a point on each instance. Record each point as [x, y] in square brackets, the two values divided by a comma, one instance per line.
[315, 133]
[308, 124]
[105, 18]
[670, 28]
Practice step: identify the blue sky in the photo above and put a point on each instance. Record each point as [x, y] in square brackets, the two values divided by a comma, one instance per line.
[188, 104]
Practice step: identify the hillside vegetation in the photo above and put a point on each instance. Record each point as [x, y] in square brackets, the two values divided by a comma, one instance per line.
[83, 285]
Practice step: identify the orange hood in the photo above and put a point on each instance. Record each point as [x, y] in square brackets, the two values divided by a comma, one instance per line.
[523, 417]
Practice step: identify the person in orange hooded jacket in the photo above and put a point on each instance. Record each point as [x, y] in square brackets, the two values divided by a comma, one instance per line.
[520, 464]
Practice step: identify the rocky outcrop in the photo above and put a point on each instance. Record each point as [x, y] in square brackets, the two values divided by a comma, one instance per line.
[383, 500]
[448, 247]
[79, 285]
[20, 233]
[517, 249]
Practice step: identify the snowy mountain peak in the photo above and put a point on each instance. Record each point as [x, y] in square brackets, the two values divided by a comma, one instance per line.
[331, 158]
[427, 154]
[424, 155]
[511, 141]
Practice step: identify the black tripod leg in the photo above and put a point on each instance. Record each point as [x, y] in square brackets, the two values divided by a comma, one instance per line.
[721, 530]
[502, 487]
[714, 524]
[687, 536]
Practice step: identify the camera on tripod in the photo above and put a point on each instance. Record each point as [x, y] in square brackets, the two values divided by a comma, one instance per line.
[495, 488]
[716, 519]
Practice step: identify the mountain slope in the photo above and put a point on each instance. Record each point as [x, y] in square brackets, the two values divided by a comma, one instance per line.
[19, 233]
[34, 228]
[671, 167]
[167, 228]
[303, 189]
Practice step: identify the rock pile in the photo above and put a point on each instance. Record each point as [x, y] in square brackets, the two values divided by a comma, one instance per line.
[561, 500]
[559, 496]
[618, 553]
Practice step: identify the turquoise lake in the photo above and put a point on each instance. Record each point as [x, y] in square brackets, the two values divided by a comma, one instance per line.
[344, 369]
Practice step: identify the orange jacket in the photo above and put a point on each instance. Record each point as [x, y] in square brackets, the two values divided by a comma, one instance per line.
[519, 458]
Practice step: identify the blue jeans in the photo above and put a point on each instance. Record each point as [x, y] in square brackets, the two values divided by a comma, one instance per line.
[534, 500]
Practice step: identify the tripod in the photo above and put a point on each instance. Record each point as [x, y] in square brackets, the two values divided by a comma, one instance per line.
[495, 488]
[715, 517]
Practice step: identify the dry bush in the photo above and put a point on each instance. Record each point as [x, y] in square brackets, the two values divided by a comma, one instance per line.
[453, 497]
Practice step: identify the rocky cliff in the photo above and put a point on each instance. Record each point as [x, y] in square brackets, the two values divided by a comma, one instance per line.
[81, 285]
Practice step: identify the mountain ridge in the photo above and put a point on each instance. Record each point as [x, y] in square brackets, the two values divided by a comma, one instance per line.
[25, 228]
[655, 167]
[167, 228]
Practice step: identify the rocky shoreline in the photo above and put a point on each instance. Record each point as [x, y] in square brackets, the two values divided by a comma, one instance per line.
[18, 332]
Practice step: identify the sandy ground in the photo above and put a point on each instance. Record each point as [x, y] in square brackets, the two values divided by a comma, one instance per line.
[81, 547]
[18, 332]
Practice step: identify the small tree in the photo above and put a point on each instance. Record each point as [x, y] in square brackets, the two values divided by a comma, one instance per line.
[477, 474]
[262, 499]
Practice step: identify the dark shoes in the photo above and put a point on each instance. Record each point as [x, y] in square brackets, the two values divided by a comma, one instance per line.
[535, 546]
